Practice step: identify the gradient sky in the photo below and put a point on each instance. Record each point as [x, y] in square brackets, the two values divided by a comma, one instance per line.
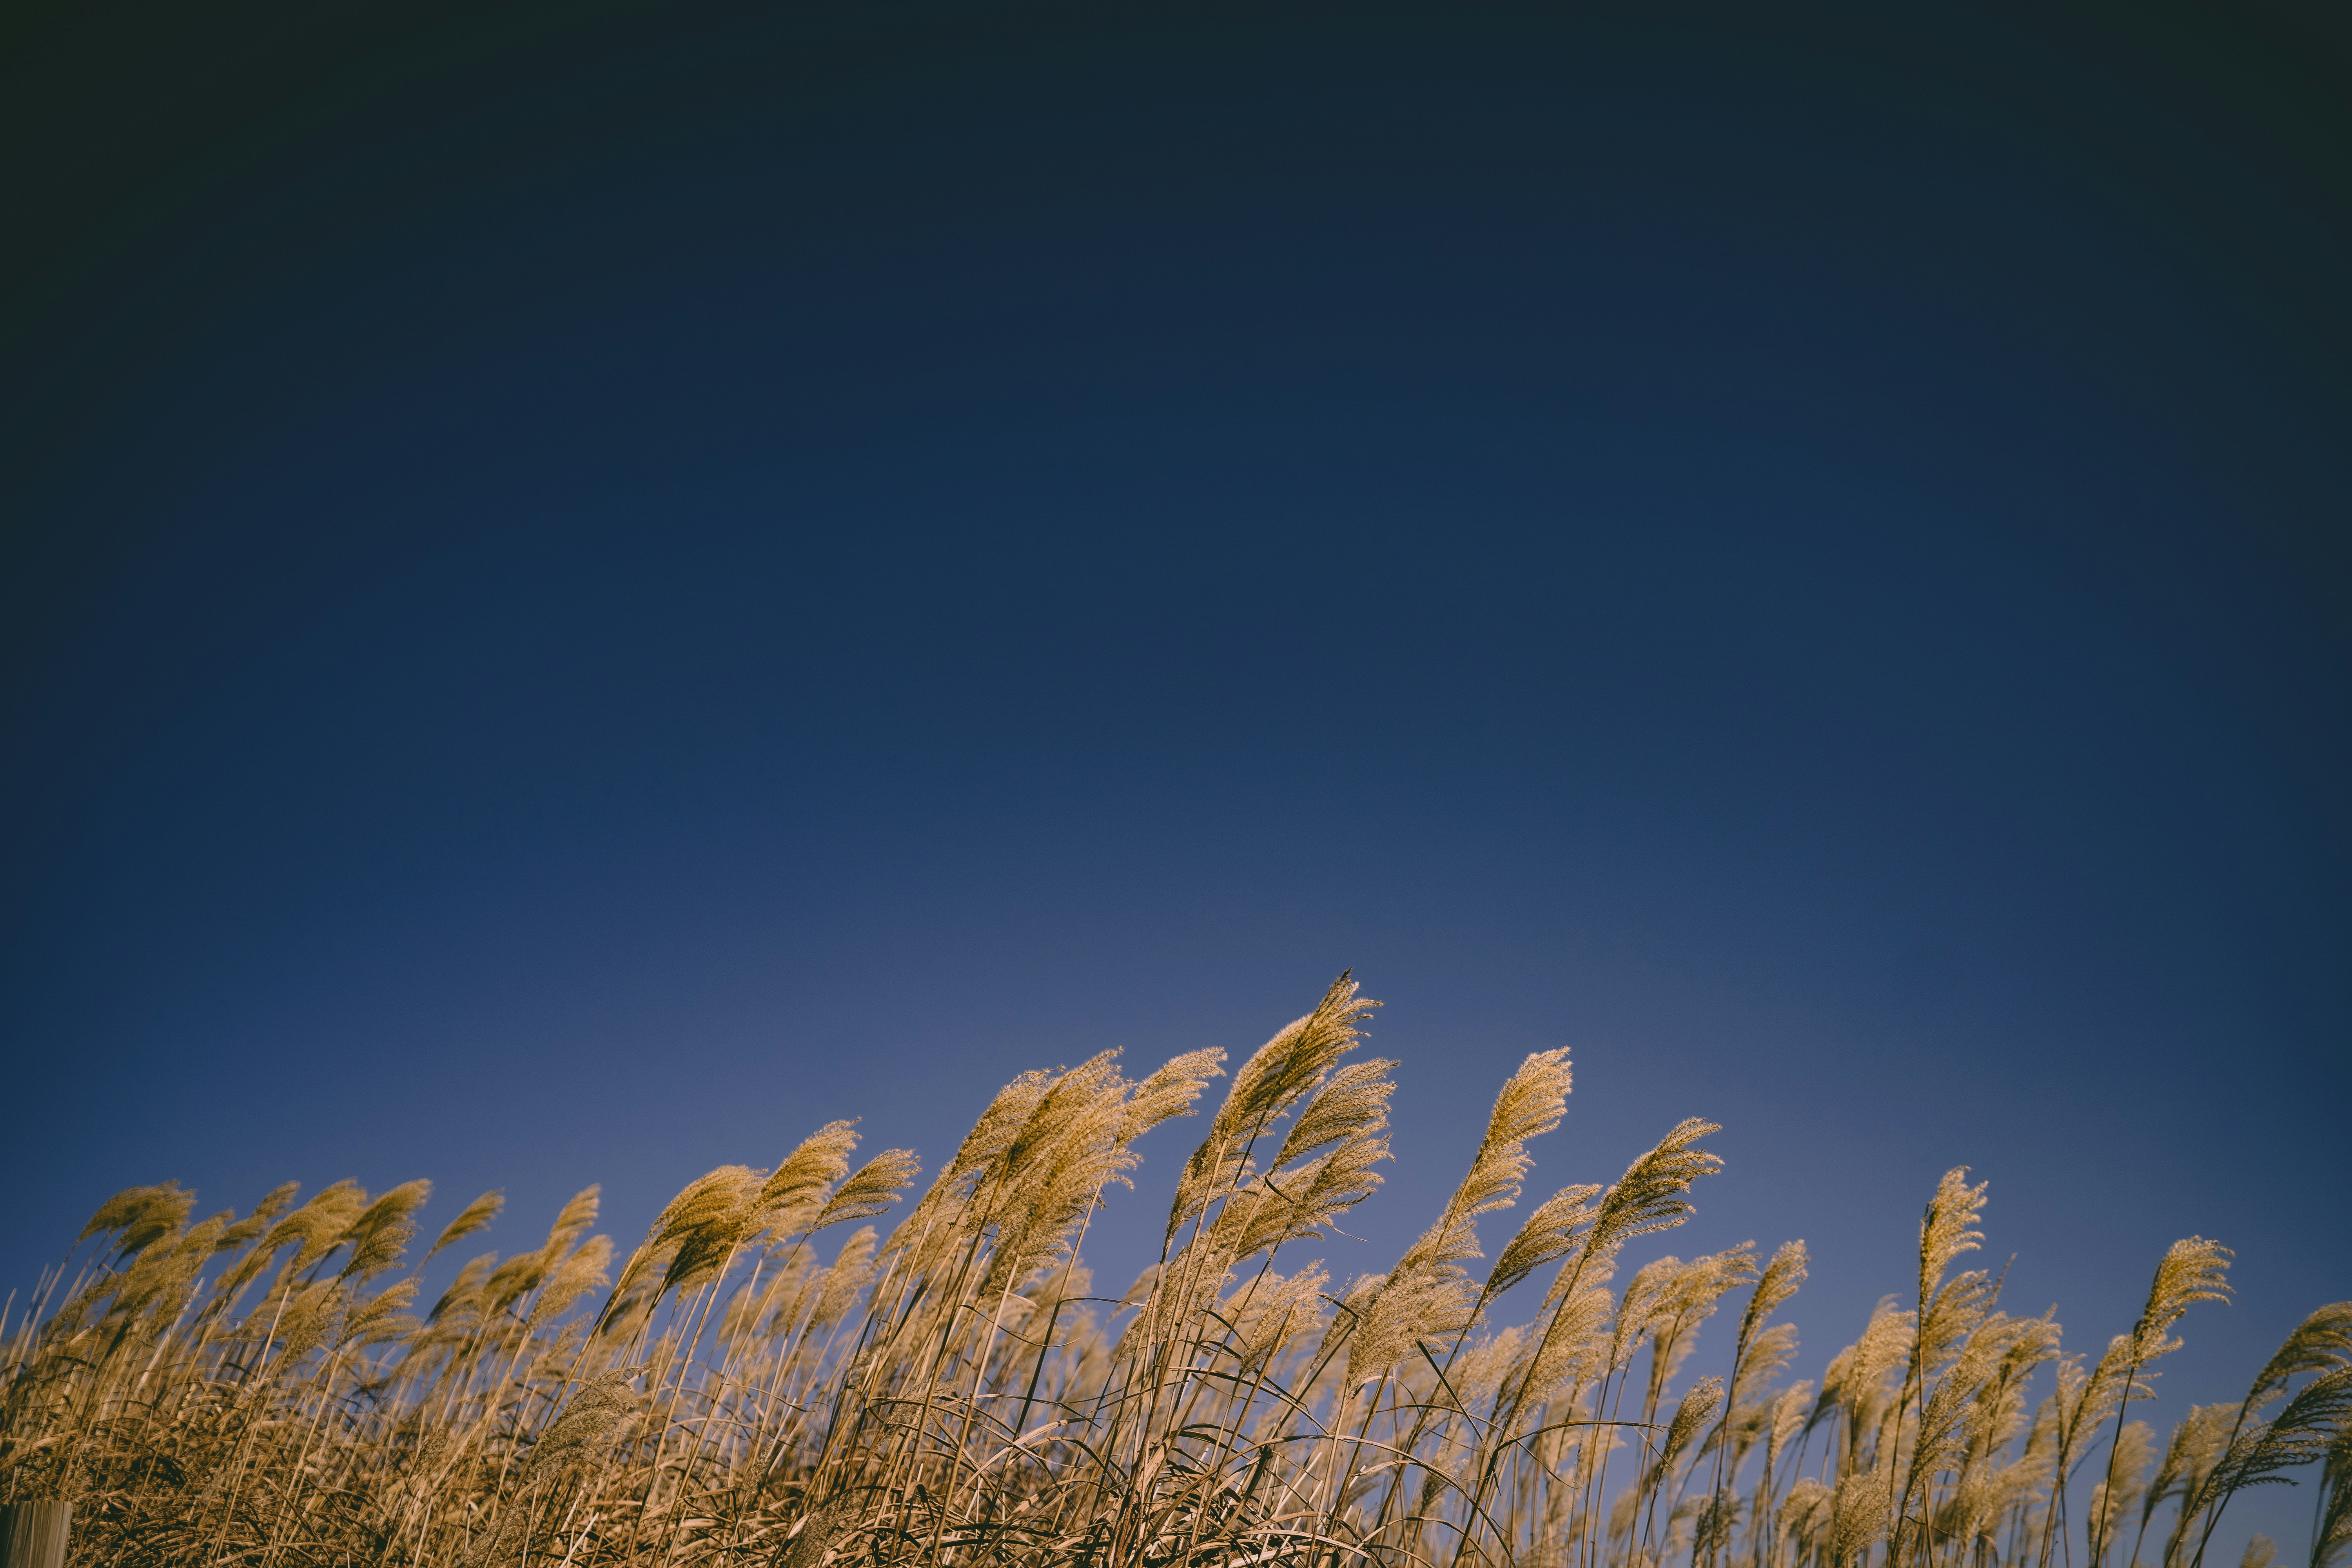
[586, 590]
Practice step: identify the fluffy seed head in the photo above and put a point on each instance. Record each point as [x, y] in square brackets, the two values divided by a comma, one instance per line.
[472, 1220]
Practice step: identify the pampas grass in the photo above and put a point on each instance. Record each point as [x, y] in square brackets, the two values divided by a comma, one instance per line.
[795, 1368]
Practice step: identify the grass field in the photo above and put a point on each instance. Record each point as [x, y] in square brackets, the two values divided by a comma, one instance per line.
[770, 1378]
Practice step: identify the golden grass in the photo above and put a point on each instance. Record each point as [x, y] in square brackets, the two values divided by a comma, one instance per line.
[769, 1380]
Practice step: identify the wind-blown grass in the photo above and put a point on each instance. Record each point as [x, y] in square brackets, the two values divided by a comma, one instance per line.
[769, 1379]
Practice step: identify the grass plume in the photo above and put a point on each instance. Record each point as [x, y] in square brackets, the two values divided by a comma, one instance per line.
[793, 1369]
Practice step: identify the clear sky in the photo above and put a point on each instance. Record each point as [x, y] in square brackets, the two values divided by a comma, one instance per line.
[588, 588]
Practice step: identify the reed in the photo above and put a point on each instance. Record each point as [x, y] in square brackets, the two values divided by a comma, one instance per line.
[776, 1375]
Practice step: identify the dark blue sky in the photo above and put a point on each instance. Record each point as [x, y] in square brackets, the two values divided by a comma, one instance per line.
[583, 596]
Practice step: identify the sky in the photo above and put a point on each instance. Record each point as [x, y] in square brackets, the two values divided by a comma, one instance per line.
[585, 589]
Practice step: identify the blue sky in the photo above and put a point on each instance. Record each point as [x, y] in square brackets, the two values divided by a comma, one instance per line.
[584, 598]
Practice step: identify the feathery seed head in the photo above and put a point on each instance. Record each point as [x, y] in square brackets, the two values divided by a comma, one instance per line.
[1858, 1511]
[1704, 1281]
[1482, 1369]
[1427, 1294]
[1576, 1349]
[472, 1220]
[2321, 1340]
[1171, 1091]
[253, 1225]
[2299, 1435]
[2190, 1454]
[1417, 1301]
[592, 1419]
[999, 1123]
[871, 1189]
[575, 1277]
[1653, 1193]
[1789, 1412]
[852, 1271]
[465, 1291]
[2194, 1270]
[1945, 1229]
[1768, 1356]
[1353, 1102]
[1858, 1377]
[1283, 1206]
[380, 1237]
[318, 1225]
[1079, 1096]
[941, 1218]
[1638, 1312]
[1551, 1232]
[1276, 1078]
[139, 1217]
[1054, 1171]
[2331, 1536]
[1698, 1409]
[796, 1189]
[1779, 1280]
[696, 1234]
[1269, 1314]
[574, 1220]
[1532, 1101]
